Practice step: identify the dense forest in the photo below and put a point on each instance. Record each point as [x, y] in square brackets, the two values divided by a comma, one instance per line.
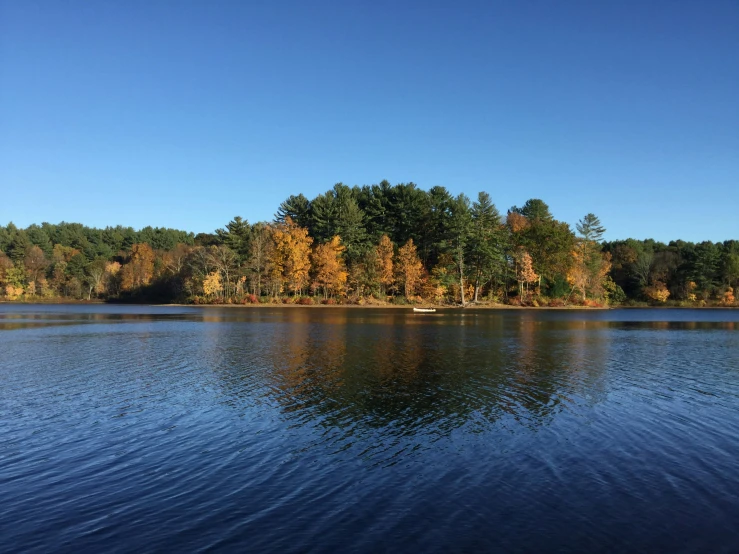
[369, 245]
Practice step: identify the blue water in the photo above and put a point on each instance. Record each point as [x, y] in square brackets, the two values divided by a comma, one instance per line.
[152, 429]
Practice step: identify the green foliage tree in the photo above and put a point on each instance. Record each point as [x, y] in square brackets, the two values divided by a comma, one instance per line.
[297, 208]
[590, 228]
[486, 242]
[534, 208]
[237, 237]
[461, 246]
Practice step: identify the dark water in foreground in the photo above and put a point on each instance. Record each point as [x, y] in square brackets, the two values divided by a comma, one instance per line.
[141, 429]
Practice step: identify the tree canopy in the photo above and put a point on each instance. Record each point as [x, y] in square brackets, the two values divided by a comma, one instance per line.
[371, 243]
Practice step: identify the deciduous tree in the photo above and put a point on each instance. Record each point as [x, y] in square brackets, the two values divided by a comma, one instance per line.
[139, 270]
[329, 267]
[290, 257]
[212, 284]
[408, 268]
[384, 259]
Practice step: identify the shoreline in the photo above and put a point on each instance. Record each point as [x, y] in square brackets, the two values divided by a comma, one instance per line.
[311, 306]
[487, 307]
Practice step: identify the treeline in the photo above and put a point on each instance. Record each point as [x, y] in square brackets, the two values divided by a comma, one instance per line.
[370, 244]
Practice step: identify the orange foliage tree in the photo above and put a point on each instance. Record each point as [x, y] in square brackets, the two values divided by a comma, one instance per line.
[517, 222]
[384, 259]
[729, 298]
[657, 292]
[589, 269]
[35, 263]
[63, 253]
[290, 256]
[329, 267]
[139, 270]
[525, 273]
[408, 268]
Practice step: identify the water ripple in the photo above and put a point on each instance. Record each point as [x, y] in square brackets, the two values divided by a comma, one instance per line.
[143, 429]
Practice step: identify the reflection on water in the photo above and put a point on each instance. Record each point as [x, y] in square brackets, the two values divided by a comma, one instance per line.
[335, 429]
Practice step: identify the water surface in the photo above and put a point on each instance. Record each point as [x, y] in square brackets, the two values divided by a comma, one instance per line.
[145, 429]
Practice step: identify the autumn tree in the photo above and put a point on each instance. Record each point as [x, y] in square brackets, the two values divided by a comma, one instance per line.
[329, 267]
[62, 253]
[174, 260]
[112, 278]
[589, 267]
[384, 259]
[225, 262]
[212, 284]
[525, 273]
[35, 263]
[516, 222]
[290, 256]
[589, 270]
[199, 264]
[139, 270]
[549, 243]
[657, 292]
[408, 268]
[13, 279]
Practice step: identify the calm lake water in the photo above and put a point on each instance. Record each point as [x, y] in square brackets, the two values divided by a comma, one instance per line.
[145, 429]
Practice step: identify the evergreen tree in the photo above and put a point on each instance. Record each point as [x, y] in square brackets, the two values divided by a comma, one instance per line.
[237, 237]
[296, 208]
[590, 228]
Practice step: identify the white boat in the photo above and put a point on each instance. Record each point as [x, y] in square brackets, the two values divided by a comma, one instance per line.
[424, 310]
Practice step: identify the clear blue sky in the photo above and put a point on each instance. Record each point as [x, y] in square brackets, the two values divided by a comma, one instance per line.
[184, 114]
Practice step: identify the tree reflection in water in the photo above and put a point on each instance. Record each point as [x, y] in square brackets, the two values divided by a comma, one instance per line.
[410, 381]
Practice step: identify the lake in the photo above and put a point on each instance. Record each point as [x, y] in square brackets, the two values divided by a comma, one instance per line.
[153, 429]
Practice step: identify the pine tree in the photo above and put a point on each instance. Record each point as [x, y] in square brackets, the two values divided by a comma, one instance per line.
[590, 228]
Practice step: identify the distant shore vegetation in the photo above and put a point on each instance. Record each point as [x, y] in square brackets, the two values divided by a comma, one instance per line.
[378, 244]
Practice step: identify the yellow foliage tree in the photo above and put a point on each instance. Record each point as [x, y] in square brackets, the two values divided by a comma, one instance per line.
[690, 288]
[525, 273]
[384, 259]
[578, 276]
[657, 292]
[13, 292]
[517, 222]
[212, 284]
[63, 253]
[289, 259]
[139, 271]
[408, 268]
[329, 266]
[729, 298]
[589, 269]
